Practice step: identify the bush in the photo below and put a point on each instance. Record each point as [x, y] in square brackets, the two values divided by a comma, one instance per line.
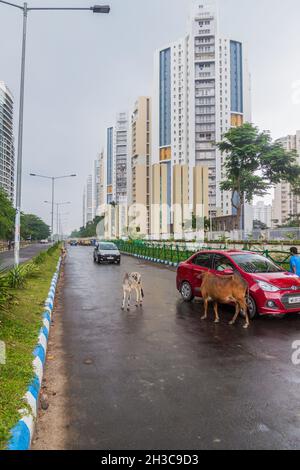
[31, 269]
[17, 277]
[40, 259]
[4, 293]
[53, 249]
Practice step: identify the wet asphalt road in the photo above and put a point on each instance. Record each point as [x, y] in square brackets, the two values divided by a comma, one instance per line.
[159, 378]
[7, 257]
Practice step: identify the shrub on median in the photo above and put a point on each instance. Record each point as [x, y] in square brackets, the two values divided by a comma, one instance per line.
[4, 292]
[17, 277]
[40, 259]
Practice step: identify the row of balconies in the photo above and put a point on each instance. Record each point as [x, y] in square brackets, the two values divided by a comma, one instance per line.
[201, 57]
[205, 145]
[205, 101]
[210, 119]
[6, 111]
[208, 92]
[203, 75]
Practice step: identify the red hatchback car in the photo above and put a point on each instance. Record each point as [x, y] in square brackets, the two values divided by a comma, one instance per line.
[273, 291]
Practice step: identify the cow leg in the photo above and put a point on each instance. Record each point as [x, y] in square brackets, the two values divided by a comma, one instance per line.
[245, 309]
[128, 302]
[205, 309]
[141, 297]
[237, 311]
[137, 292]
[217, 318]
[124, 299]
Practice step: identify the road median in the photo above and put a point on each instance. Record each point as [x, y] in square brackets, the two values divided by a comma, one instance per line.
[25, 322]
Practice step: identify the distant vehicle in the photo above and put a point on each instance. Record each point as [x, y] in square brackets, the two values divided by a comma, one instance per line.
[44, 242]
[73, 243]
[85, 242]
[107, 253]
[272, 290]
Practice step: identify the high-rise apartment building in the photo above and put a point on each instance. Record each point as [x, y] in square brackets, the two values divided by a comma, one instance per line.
[263, 213]
[110, 166]
[202, 88]
[139, 196]
[84, 207]
[7, 152]
[117, 164]
[121, 157]
[286, 204]
[89, 199]
[99, 182]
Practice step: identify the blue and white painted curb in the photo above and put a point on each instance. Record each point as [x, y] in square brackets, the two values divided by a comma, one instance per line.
[154, 260]
[21, 434]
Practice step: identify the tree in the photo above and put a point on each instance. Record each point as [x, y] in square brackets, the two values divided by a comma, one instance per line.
[254, 164]
[258, 225]
[34, 228]
[7, 215]
[292, 222]
[89, 231]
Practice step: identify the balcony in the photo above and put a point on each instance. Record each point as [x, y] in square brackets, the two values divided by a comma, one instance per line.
[205, 57]
[204, 76]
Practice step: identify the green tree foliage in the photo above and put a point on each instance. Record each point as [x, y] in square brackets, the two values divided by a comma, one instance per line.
[89, 231]
[258, 225]
[34, 228]
[292, 222]
[254, 164]
[7, 214]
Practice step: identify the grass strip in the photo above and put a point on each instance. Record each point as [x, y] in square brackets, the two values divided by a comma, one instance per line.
[19, 330]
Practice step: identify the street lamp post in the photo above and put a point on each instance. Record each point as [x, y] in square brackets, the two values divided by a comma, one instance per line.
[62, 220]
[53, 179]
[25, 9]
[58, 205]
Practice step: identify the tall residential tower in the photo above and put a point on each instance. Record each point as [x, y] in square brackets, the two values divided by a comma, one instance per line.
[202, 88]
[139, 196]
[286, 204]
[121, 159]
[7, 152]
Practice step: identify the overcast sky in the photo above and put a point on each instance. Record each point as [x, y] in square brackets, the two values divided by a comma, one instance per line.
[84, 68]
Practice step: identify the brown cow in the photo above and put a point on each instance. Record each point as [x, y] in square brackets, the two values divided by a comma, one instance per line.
[224, 290]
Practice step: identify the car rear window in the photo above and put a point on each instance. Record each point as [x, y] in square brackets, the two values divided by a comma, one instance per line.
[204, 260]
[107, 247]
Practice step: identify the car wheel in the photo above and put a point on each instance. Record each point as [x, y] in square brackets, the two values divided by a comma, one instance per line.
[252, 308]
[95, 259]
[186, 291]
[99, 260]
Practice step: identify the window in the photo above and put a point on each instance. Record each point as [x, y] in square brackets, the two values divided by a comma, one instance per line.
[203, 260]
[221, 263]
[251, 263]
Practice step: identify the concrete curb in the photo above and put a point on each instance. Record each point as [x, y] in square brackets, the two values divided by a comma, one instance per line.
[154, 260]
[21, 434]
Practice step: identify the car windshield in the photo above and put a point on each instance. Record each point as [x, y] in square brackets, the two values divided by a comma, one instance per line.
[107, 247]
[251, 263]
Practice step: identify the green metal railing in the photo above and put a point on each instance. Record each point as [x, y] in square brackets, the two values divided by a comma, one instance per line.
[176, 253]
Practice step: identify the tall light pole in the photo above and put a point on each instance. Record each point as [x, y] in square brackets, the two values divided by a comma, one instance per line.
[58, 205]
[53, 179]
[61, 222]
[25, 9]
